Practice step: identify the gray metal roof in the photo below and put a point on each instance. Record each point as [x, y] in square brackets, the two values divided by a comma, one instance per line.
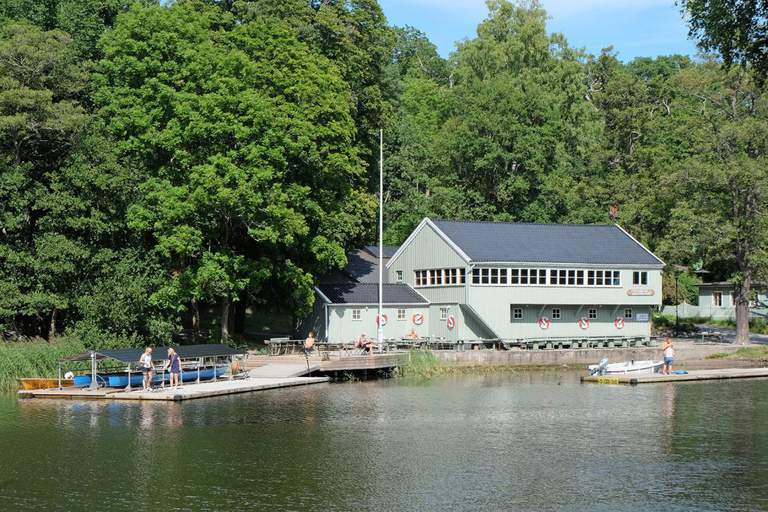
[389, 250]
[368, 293]
[363, 267]
[546, 243]
[131, 355]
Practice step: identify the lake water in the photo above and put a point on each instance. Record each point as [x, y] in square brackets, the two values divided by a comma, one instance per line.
[528, 441]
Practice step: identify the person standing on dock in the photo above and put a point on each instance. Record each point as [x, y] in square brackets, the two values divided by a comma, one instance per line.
[145, 361]
[174, 367]
[309, 344]
[669, 355]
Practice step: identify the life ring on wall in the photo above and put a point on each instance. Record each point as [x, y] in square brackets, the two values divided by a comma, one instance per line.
[450, 321]
[584, 323]
[619, 322]
[383, 320]
[418, 318]
[544, 322]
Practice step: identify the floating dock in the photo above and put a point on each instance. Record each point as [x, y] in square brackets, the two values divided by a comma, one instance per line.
[186, 392]
[693, 375]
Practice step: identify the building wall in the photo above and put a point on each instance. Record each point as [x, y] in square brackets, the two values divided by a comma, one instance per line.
[727, 309]
[567, 325]
[428, 250]
[342, 328]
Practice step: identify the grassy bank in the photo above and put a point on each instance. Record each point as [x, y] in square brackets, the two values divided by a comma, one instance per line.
[759, 353]
[33, 359]
[756, 325]
[423, 364]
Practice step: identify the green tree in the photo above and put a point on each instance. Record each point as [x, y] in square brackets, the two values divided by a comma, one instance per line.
[736, 29]
[722, 211]
[245, 134]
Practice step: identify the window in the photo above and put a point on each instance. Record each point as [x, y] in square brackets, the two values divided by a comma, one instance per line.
[421, 277]
[590, 278]
[514, 276]
[502, 276]
[450, 275]
[628, 313]
[598, 278]
[552, 276]
[555, 313]
[494, 276]
[355, 314]
[517, 313]
[462, 276]
[443, 313]
[579, 278]
[562, 277]
[436, 277]
[523, 276]
[542, 276]
[571, 277]
[640, 278]
[592, 314]
[401, 314]
[399, 274]
[484, 275]
[717, 299]
[616, 278]
[475, 276]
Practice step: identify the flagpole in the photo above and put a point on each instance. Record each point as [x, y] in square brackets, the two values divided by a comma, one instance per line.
[380, 331]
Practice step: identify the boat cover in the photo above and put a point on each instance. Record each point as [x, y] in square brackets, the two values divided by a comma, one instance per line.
[131, 355]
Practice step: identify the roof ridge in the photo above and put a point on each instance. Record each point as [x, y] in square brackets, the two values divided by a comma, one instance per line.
[523, 223]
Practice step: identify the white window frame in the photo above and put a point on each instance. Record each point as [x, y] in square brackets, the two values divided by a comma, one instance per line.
[556, 314]
[444, 314]
[401, 314]
[628, 314]
[717, 299]
[517, 313]
[592, 314]
[639, 278]
[399, 276]
[357, 314]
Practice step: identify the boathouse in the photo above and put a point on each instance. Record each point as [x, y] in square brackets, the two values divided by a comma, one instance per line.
[463, 280]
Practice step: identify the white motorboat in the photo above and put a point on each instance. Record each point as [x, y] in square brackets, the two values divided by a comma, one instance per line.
[604, 368]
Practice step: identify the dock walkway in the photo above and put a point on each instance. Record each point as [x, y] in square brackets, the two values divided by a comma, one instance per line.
[693, 375]
[186, 392]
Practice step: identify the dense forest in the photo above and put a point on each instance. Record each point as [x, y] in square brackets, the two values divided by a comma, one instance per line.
[162, 159]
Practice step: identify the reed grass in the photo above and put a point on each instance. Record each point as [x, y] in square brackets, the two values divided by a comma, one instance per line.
[425, 365]
[33, 359]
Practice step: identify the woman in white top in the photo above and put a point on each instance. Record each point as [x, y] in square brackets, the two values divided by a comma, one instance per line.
[145, 361]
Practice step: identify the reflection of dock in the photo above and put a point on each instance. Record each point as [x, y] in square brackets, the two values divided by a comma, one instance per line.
[323, 363]
[693, 375]
[186, 392]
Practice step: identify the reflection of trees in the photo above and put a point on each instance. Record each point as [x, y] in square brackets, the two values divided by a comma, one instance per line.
[719, 429]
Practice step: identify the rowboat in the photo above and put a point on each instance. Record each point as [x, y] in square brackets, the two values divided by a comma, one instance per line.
[43, 383]
[640, 367]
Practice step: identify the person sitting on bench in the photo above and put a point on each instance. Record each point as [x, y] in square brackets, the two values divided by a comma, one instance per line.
[364, 343]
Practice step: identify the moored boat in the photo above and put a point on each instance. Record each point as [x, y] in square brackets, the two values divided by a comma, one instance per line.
[121, 380]
[43, 383]
[640, 367]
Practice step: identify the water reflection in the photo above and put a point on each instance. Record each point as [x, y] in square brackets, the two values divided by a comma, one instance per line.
[527, 441]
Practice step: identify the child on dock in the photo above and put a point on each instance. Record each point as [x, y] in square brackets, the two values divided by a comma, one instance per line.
[174, 367]
[669, 356]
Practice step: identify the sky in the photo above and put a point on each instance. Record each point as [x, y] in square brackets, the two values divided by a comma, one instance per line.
[635, 28]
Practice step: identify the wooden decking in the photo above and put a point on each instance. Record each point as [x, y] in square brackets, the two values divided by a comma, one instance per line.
[693, 375]
[186, 392]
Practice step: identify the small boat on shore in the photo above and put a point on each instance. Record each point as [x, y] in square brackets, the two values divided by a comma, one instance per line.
[43, 383]
[639, 367]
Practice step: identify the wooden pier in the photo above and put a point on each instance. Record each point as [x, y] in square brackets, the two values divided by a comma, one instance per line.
[693, 375]
[186, 392]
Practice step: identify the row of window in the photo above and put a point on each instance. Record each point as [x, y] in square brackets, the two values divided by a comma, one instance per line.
[523, 276]
[401, 314]
[439, 277]
[517, 313]
[543, 276]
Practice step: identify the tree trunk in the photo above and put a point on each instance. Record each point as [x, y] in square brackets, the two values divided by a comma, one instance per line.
[195, 320]
[52, 326]
[226, 304]
[741, 295]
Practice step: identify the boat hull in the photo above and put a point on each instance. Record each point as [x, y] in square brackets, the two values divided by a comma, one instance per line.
[43, 383]
[633, 367]
[137, 379]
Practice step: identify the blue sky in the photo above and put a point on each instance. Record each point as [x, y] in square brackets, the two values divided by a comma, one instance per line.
[635, 28]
